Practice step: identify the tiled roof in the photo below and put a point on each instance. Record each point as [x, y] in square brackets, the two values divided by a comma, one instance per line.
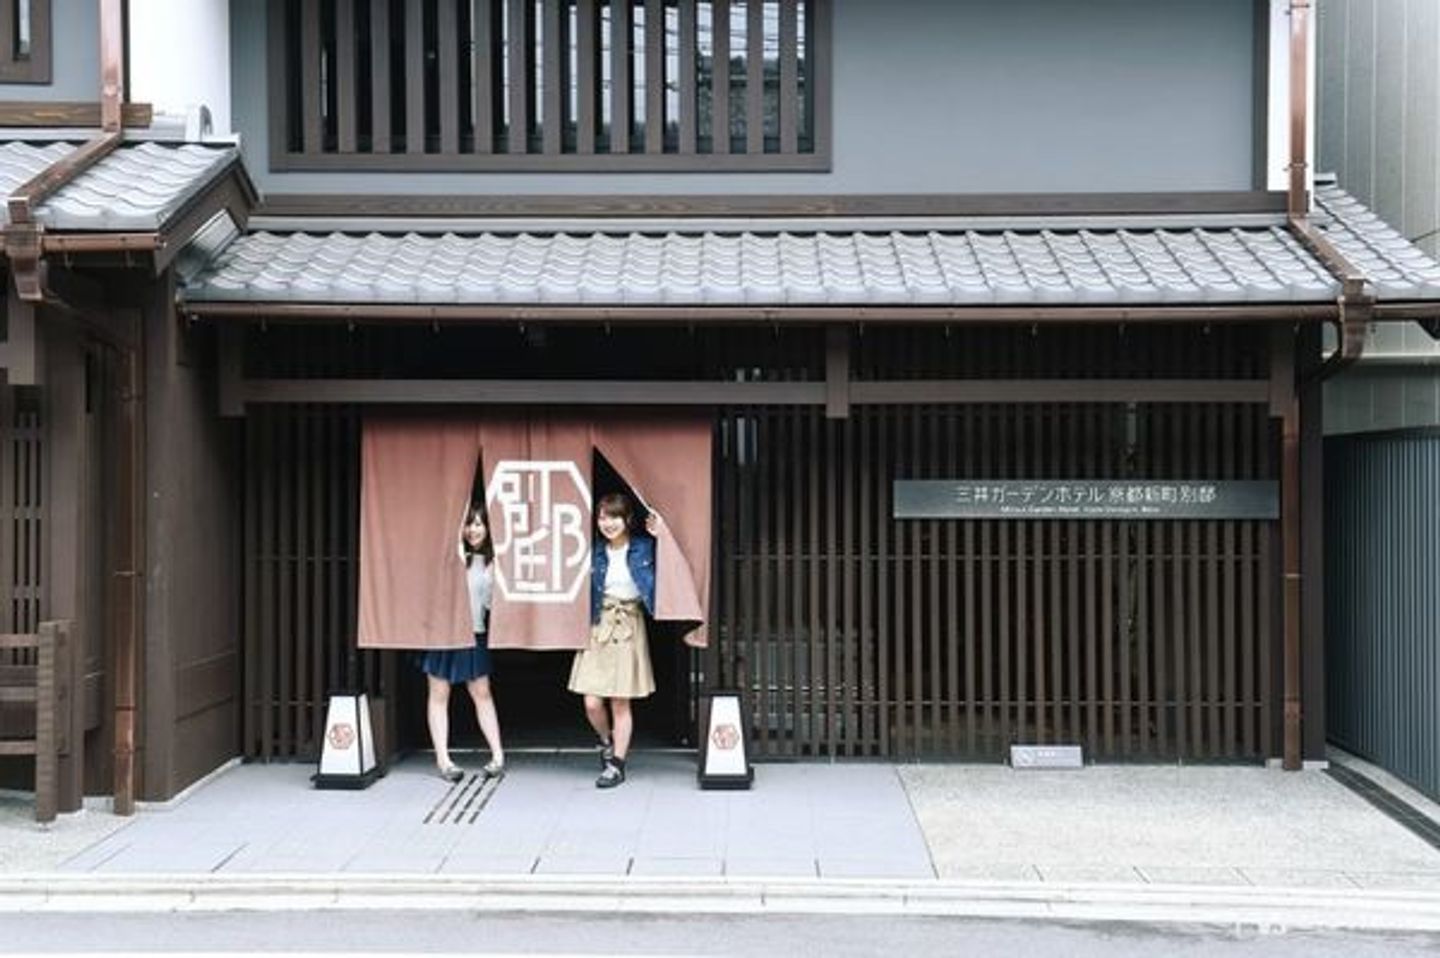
[20, 162]
[138, 186]
[1256, 264]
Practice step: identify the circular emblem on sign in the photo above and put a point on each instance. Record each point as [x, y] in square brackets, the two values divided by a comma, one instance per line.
[725, 737]
[341, 735]
[541, 526]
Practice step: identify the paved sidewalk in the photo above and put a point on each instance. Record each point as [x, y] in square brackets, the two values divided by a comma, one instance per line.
[1152, 843]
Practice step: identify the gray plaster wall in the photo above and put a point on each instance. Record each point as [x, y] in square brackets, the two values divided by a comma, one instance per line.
[75, 57]
[943, 96]
[1379, 132]
[1378, 108]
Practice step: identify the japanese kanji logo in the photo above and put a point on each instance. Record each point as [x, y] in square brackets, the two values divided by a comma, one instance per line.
[540, 512]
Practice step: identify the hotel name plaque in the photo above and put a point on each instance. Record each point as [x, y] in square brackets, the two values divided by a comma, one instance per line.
[1085, 499]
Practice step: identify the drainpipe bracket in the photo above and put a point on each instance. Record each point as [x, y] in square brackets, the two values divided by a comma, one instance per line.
[23, 245]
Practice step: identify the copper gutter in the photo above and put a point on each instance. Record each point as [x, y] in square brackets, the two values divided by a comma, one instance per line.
[101, 242]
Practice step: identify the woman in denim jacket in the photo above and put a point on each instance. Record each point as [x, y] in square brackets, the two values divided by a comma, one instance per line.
[614, 667]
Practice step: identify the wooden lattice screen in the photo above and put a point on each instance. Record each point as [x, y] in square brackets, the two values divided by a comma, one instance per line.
[851, 632]
[22, 543]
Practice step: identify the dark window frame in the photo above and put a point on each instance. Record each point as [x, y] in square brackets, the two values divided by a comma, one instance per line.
[329, 116]
[34, 65]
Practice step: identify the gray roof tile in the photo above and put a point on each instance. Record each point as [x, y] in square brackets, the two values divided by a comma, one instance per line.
[21, 161]
[137, 186]
[1262, 264]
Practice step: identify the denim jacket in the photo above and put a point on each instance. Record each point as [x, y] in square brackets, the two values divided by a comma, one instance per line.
[640, 557]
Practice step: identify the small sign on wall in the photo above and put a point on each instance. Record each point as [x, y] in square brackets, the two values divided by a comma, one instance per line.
[1085, 499]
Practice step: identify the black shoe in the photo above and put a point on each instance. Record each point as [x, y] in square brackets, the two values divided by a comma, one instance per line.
[494, 769]
[452, 773]
[613, 774]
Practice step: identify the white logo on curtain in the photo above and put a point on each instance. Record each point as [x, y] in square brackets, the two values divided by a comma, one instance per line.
[541, 526]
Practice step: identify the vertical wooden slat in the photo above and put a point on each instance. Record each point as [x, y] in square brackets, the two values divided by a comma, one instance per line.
[250, 710]
[849, 634]
[829, 429]
[311, 120]
[1055, 573]
[1175, 420]
[8, 618]
[587, 85]
[920, 563]
[520, 80]
[869, 511]
[883, 598]
[1225, 564]
[953, 627]
[553, 62]
[789, 95]
[487, 58]
[380, 76]
[304, 451]
[787, 678]
[720, 77]
[346, 102]
[689, 106]
[7, 33]
[269, 645]
[755, 76]
[799, 639]
[1015, 598]
[761, 547]
[447, 34]
[655, 76]
[621, 94]
[414, 77]
[285, 572]
[972, 639]
[1249, 610]
[1193, 547]
[1157, 622]
[322, 629]
[816, 667]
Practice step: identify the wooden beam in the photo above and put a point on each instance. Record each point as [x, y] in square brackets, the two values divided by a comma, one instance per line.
[236, 392]
[527, 391]
[20, 352]
[34, 113]
[1039, 205]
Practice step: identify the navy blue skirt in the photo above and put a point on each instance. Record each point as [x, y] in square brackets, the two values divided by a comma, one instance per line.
[458, 665]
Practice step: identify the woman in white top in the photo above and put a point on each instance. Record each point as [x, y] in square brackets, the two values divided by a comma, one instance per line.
[446, 667]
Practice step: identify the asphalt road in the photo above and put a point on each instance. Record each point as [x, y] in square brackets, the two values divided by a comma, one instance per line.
[494, 934]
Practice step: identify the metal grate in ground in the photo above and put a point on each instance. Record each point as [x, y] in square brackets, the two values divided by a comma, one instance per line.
[464, 801]
[1396, 808]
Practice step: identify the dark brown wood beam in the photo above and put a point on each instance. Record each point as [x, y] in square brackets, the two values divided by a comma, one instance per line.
[880, 204]
[236, 392]
[38, 113]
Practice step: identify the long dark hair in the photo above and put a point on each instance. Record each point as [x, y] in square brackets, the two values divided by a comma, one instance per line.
[487, 548]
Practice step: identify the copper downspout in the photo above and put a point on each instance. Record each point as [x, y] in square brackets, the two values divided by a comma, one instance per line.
[1297, 208]
[1356, 308]
[130, 496]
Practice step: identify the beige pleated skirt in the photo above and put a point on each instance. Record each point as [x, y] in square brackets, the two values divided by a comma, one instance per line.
[616, 662]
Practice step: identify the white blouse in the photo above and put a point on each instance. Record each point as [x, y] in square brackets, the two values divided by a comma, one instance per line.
[619, 583]
[478, 575]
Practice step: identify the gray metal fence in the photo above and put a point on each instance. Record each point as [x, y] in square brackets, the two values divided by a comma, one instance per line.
[1382, 611]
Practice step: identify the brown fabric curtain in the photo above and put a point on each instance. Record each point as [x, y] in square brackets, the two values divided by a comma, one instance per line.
[666, 460]
[415, 478]
[538, 500]
[416, 482]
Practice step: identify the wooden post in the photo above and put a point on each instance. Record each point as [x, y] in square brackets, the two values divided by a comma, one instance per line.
[1285, 404]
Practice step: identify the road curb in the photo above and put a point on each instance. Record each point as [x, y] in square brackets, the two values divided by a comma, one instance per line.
[1261, 908]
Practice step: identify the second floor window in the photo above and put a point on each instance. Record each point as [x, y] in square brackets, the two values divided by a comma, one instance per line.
[549, 84]
[24, 41]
